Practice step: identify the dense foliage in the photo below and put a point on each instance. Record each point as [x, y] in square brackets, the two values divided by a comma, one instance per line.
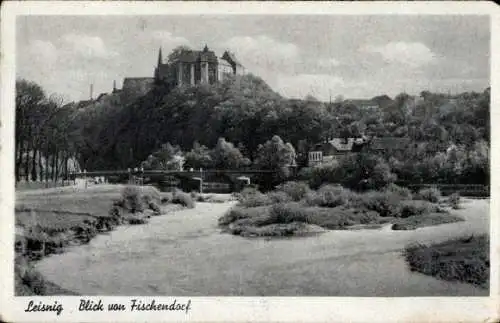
[243, 123]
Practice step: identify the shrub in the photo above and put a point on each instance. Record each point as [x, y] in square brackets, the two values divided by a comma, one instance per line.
[430, 194]
[411, 208]
[35, 281]
[296, 190]
[324, 173]
[425, 220]
[454, 201]
[237, 213]
[136, 220]
[115, 211]
[272, 230]
[184, 199]
[329, 196]
[287, 213]
[278, 197]
[166, 198]
[131, 196]
[404, 192]
[341, 217]
[385, 203]
[155, 207]
[251, 197]
[464, 259]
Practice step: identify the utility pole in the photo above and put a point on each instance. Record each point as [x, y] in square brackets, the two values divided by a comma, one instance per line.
[91, 90]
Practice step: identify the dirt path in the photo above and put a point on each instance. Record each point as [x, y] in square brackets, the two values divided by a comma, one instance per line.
[184, 253]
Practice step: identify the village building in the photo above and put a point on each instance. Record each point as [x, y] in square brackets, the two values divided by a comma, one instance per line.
[335, 148]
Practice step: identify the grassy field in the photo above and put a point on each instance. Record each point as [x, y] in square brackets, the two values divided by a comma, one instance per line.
[464, 259]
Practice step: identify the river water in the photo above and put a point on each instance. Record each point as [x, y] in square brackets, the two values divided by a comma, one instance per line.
[184, 254]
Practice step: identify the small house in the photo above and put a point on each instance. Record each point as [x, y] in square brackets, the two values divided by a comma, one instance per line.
[334, 148]
[331, 149]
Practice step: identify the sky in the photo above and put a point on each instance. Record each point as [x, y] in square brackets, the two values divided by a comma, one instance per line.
[325, 56]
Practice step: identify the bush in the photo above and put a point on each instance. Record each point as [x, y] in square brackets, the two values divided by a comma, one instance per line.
[411, 208]
[329, 196]
[155, 207]
[324, 173]
[287, 213]
[251, 197]
[429, 194]
[131, 196]
[454, 201]
[385, 203]
[278, 197]
[184, 199]
[150, 194]
[166, 198]
[341, 217]
[424, 220]
[404, 192]
[296, 190]
[464, 259]
[237, 214]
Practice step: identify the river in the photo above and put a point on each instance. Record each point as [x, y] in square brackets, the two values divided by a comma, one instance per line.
[184, 254]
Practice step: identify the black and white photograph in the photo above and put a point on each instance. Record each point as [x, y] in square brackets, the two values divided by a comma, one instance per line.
[255, 155]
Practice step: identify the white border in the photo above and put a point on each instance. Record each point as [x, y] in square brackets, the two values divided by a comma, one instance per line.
[236, 309]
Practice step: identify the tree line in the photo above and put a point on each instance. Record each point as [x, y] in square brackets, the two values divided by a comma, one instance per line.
[231, 124]
[45, 148]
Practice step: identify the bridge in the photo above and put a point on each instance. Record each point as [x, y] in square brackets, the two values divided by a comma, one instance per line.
[202, 180]
[141, 172]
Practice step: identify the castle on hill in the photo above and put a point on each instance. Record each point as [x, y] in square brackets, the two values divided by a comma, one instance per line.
[187, 68]
[192, 67]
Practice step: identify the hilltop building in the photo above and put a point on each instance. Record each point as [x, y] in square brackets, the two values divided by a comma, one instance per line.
[192, 67]
[189, 67]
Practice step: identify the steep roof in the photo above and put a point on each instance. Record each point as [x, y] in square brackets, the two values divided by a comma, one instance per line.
[230, 57]
[191, 56]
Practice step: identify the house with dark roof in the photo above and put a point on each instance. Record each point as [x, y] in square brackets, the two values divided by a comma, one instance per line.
[334, 148]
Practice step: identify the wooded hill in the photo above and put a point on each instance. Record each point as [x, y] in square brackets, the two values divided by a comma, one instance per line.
[246, 112]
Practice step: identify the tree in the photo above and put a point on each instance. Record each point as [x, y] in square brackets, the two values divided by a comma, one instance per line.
[168, 157]
[176, 52]
[226, 156]
[364, 171]
[199, 157]
[276, 155]
[30, 97]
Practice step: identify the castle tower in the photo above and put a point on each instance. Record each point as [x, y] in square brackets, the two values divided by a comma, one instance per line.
[158, 66]
[160, 58]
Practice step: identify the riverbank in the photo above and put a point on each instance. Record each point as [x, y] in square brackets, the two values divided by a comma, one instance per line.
[185, 254]
[52, 220]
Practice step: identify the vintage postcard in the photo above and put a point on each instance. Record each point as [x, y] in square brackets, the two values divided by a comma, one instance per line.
[253, 162]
